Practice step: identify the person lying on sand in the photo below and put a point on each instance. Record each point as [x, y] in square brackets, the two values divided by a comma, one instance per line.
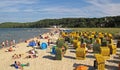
[17, 56]
[32, 56]
[18, 65]
[10, 49]
[32, 51]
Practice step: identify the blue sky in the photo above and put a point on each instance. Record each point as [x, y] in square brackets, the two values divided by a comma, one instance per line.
[34, 10]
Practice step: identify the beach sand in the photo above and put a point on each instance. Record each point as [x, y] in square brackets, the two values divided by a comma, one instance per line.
[46, 61]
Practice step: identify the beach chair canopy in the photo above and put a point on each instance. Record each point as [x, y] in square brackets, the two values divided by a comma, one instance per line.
[53, 50]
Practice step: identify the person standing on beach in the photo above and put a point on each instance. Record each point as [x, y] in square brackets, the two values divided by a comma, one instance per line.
[48, 42]
[38, 43]
[13, 42]
[6, 43]
[3, 44]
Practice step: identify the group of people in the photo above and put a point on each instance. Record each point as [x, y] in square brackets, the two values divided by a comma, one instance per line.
[8, 43]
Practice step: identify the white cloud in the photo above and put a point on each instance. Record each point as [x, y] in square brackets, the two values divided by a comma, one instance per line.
[95, 8]
[14, 5]
[7, 3]
[62, 10]
[104, 7]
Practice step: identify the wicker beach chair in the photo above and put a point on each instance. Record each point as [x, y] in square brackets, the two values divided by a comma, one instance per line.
[100, 62]
[112, 48]
[80, 53]
[105, 52]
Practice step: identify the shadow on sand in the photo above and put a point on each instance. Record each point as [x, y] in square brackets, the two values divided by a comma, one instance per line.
[114, 61]
[90, 56]
[115, 57]
[118, 50]
[72, 51]
[70, 57]
[49, 57]
[111, 67]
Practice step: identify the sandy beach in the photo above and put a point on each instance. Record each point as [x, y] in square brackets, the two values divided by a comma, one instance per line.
[46, 61]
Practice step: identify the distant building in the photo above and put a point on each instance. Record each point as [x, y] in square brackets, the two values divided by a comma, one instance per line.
[54, 26]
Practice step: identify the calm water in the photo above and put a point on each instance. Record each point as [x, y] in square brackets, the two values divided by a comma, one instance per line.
[20, 33]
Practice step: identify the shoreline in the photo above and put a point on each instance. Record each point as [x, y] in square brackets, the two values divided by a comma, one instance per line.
[20, 40]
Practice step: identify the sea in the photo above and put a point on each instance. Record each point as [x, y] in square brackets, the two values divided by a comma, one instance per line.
[20, 34]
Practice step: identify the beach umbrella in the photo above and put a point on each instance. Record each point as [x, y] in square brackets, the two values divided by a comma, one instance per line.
[43, 46]
[32, 44]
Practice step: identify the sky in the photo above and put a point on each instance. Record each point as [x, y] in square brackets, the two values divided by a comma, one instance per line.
[35, 10]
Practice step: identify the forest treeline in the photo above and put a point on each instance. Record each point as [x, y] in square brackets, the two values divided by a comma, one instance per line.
[112, 21]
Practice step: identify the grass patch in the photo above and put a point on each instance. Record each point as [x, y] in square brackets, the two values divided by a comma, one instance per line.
[114, 31]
